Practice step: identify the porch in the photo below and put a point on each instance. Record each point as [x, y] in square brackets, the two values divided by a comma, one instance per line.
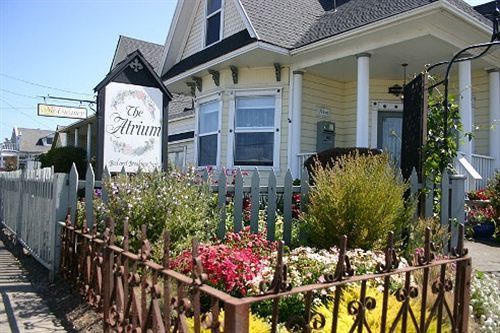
[347, 84]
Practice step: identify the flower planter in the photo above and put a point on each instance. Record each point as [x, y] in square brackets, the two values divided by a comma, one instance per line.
[484, 230]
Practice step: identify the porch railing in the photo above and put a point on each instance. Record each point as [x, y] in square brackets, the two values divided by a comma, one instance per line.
[483, 165]
[302, 158]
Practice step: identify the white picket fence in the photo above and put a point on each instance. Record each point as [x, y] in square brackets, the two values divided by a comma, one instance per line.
[33, 202]
[29, 207]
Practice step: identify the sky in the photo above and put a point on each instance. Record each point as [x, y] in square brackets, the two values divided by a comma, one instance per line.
[64, 48]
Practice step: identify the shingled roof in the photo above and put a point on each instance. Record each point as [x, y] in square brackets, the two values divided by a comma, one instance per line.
[126, 45]
[295, 23]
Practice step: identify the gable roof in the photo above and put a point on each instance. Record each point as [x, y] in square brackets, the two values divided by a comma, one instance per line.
[123, 65]
[126, 45]
[295, 23]
[31, 138]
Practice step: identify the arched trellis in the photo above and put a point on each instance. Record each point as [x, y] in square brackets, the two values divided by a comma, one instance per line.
[459, 57]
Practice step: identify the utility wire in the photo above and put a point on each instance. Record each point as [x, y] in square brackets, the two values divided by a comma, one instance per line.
[25, 114]
[43, 86]
[18, 94]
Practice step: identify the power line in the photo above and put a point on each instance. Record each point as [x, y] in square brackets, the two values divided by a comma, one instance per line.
[44, 86]
[25, 114]
[18, 94]
[17, 107]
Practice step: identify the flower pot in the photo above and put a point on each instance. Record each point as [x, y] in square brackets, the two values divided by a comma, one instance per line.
[484, 230]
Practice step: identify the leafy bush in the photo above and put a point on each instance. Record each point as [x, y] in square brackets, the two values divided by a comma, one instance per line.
[178, 202]
[62, 159]
[361, 197]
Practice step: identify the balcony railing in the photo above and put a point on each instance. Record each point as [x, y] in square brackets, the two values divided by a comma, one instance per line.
[9, 146]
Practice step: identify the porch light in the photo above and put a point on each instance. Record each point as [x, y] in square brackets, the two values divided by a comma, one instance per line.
[396, 89]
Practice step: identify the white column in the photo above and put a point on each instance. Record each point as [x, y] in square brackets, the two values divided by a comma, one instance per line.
[363, 100]
[76, 137]
[465, 107]
[494, 75]
[89, 141]
[297, 78]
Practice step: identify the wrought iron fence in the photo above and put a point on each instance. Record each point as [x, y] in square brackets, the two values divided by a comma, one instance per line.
[136, 294]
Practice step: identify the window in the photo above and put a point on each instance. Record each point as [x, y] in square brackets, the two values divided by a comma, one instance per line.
[213, 24]
[177, 157]
[255, 133]
[208, 131]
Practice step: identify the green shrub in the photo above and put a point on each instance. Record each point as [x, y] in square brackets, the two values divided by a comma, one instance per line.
[361, 197]
[62, 159]
[178, 202]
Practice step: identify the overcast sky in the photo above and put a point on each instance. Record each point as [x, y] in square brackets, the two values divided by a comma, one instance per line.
[64, 48]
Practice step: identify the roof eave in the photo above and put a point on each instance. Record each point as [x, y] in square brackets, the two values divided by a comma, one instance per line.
[438, 5]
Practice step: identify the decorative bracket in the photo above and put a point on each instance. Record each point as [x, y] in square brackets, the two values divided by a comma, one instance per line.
[198, 82]
[136, 65]
[234, 72]
[215, 76]
[277, 71]
[192, 86]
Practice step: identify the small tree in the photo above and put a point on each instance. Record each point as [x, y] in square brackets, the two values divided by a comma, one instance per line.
[62, 159]
[361, 197]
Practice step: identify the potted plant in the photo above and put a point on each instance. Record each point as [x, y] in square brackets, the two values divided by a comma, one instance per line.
[482, 221]
[479, 198]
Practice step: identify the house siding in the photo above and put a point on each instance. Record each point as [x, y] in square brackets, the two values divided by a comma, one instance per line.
[319, 92]
[232, 23]
[481, 123]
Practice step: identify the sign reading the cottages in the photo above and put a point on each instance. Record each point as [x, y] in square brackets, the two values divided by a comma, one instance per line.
[132, 127]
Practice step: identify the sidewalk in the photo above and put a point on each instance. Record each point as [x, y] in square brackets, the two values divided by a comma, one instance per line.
[485, 258]
[21, 308]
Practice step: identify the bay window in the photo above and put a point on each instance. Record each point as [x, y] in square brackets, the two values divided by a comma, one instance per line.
[208, 133]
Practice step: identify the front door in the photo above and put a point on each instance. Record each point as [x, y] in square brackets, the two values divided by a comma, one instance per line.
[390, 126]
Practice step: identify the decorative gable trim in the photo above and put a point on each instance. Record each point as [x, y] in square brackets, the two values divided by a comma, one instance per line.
[246, 20]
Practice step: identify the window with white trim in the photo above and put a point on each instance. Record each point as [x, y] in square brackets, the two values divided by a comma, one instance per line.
[213, 26]
[177, 157]
[256, 130]
[208, 133]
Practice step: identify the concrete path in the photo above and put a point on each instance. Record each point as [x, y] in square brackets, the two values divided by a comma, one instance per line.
[485, 258]
[21, 308]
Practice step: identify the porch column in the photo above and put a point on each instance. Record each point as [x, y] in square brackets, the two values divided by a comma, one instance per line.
[494, 98]
[296, 123]
[363, 99]
[76, 137]
[465, 107]
[89, 141]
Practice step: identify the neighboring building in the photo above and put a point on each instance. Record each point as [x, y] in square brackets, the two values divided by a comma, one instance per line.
[275, 80]
[24, 147]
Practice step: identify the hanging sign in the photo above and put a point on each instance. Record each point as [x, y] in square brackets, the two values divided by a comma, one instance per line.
[61, 111]
[132, 127]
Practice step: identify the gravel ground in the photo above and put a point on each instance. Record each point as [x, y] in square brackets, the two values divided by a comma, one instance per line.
[71, 310]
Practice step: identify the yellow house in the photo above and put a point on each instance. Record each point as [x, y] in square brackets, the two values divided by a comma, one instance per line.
[271, 80]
